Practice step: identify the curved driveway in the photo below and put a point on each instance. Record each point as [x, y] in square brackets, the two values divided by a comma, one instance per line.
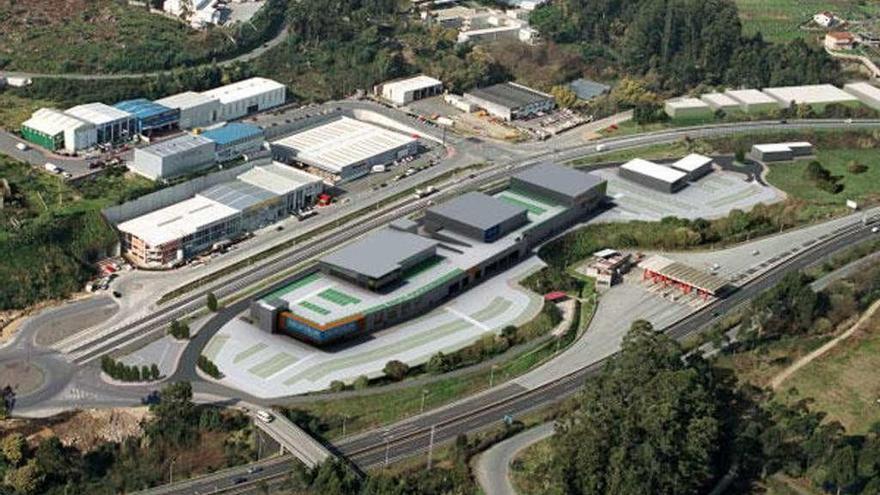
[492, 467]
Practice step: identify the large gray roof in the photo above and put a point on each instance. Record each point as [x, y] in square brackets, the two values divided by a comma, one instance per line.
[237, 194]
[564, 180]
[509, 95]
[478, 210]
[379, 253]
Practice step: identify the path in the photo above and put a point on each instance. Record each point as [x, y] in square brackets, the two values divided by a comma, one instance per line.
[800, 363]
[492, 467]
[244, 57]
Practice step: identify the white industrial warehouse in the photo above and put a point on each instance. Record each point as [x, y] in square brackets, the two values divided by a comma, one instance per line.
[816, 94]
[687, 108]
[753, 101]
[111, 124]
[247, 97]
[196, 109]
[866, 92]
[344, 149]
[55, 130]
[653, 175]
[694, 165]
[411, 89]
[257, 197]
[721, 101]
[177, 156]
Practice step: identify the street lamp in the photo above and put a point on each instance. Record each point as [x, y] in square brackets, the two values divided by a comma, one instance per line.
[492, 375]
[424, 395]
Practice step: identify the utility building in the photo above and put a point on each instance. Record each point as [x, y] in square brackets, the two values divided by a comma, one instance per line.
[687, 108]
[196, 109]
[235, 140]
[816, 95]
[175, 157]
[720, 101]
[247, 97]
[561, 185]
[55, 130]
[150, 117]
[654, 176]
[477, 216]
[414, 88]
[753, 101]
[694, 165]
[344, 149]
[111, 124]
[511, 101]
[781, 152]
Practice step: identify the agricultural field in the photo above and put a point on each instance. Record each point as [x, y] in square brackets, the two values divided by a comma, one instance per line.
[99, 36]
[780, 20]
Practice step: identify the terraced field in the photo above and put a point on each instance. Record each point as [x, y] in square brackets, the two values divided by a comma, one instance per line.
[779, 20]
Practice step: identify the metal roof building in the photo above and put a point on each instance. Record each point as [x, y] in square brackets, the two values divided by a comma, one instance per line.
[177, 156]
[753, 101]
[196, 109]
[816, 94]
[150, 116]
[477, 216]
[238, 195]
[345, 149]
[280, 178]
[179, 220]
[248, 96]
[687, 108]
[666, 269]
[694, 165]
[55, 130]
[654, 176]
[235, 139]
[378, 259]
[558, 183]
[781, 152]
[510, 101]
[586, 89]
[721, 101]
[111, 124]
[866, 92]
[411, 89]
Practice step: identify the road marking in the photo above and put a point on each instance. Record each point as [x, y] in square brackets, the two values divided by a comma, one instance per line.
[467, 318]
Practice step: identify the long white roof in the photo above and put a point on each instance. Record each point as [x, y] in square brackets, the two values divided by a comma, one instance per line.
[654, 170]
[692, 162]
[98, 113]
[817, 93]
[687, 103]
[243, 89]
[188, 99]
[719, 100]
[413, 83]
[751, 97]
[343, 142]
[278, 178]
[52, 122]
[176, 221]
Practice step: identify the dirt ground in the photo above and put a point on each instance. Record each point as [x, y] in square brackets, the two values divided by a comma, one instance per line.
[85, 429]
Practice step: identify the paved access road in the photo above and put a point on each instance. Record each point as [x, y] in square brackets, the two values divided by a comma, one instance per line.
[492, 467]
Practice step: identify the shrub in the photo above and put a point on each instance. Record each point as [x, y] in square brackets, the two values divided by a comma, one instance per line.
[396, 370]
[337, 386]
[361, 382]
[179, 330]
[213, 305]
[208, 367]
[855, 167]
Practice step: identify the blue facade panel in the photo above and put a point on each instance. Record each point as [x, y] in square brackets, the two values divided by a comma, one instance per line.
[149, 115]
[299, 329]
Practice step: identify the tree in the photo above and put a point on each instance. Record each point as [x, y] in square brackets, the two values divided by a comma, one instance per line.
[439, 363]
[212, 302]
[26, 479]
[841, 472]
[396, 370]
[565, 97]
[13, 447]
[337, 386]
[180, 330]
[361, 382]
[154, 372]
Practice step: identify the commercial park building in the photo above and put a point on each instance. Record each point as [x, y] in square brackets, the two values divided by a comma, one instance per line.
[246, 97]
[781, 152]
[257, 197]
[509, 101]
[411, 266]
[112, 125]
[411, 89]
[235, 139]
[196, 109]
[687, 108]
[177, 156]
[149, 116]
[55, 130]
[344, 149]
[668, 178]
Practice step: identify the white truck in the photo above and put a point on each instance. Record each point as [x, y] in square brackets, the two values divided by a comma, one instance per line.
[51, 167]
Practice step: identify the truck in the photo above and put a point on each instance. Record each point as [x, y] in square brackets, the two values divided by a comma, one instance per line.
[421, 193]
[22, 147]
[51, 167]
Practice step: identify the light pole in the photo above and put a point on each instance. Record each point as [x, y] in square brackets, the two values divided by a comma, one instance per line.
[492, 375]
[431, 447]
[387, 452]
[344, 419]
[424, 395]
[171, 471]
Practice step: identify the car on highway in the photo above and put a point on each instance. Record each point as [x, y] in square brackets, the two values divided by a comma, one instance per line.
[117, 294]
[265, 416]
[239, 480]
[875, 230]
[22, 147]
[254, 469]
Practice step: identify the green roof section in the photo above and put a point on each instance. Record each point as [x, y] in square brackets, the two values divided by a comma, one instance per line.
[338, 297]
[314, 307]
[296, 284]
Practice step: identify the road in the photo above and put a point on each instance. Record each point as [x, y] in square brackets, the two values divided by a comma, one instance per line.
[492, 467]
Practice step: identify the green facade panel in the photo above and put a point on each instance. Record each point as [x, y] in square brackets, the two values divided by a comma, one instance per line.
[42, 139]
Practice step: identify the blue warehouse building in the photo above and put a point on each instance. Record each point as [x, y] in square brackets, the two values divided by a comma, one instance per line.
[150, 116]
[234, 140]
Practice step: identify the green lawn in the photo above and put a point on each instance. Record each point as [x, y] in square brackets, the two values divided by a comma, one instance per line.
[844, 382]
[778, 20]
[530, 470]
[860, 187]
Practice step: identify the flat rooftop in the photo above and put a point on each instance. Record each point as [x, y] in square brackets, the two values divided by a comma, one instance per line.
[241, 90]
[692, 162]
[509, 95]
[651, 169]
[751, 97]
[414, 83]
[142, 108]
[478, 210]
[687, 103]
[380, 253]
[238, 195]
[232, 132]
[178, 220]
[98, 113]
[174, 146]
[53, 121]
[719, 100]
[685, 274]
[343, 142]
[317, 297]
[188, 99]
[278, 178]
[565, 180]
[813, 94]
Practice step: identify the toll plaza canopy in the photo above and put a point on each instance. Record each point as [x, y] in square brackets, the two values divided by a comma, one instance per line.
[684, 275]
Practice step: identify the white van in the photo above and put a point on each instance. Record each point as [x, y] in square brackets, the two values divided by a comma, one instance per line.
[264, 416]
